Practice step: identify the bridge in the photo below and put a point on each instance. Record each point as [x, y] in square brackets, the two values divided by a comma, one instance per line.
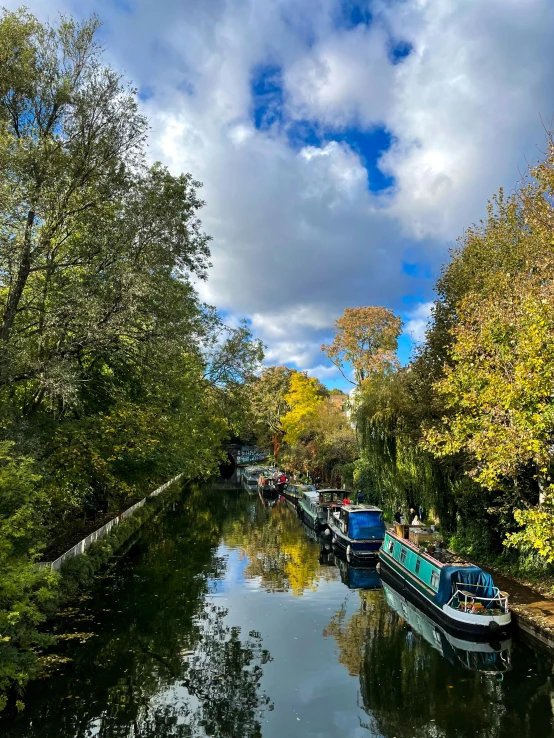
[241, 454]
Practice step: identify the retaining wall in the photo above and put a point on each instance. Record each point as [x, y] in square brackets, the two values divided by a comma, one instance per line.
[85, 543]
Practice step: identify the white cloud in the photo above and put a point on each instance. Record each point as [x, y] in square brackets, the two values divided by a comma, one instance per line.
[418, 320]
[324, 372]
[297, 234]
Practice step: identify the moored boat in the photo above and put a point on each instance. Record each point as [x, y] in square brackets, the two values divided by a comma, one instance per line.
[358, 529]
[313, 509]
[460, 596]
[310, 511]
[490, 658]
[249, 477]
[293, 492]
[268, 481]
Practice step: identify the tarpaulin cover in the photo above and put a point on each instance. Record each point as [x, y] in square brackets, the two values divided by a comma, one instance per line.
[366, 525]
[470, 578]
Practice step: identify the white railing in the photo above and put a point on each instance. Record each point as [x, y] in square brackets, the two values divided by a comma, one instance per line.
[468, 601]
[86, 543]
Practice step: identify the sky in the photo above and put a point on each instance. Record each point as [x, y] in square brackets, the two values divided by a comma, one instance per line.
[343, 145]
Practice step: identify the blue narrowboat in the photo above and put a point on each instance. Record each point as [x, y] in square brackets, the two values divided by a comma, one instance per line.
[460, 596]
[358, 529]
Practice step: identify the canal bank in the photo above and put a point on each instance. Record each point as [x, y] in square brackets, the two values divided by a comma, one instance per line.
[532, 611]
[223, 618]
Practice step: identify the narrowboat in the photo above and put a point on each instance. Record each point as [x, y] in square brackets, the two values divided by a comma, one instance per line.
[358, 529]
[314, 510]
[249, 477]
[267, 481]
[488, 658]
[310, 511]
[293, 492]
[460, 596]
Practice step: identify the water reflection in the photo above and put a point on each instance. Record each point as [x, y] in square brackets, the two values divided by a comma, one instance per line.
[356, 576]
[490, 658]
[277, 553]
[163, 661]
[201, 630]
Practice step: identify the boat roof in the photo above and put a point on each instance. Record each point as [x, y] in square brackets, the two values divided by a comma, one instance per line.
[361, 508]
[312, 493]
[440, 564]
[332, 489]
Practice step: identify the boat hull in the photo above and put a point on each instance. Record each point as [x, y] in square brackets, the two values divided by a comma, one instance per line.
[313, 521]
[454, 623]
[293, 499]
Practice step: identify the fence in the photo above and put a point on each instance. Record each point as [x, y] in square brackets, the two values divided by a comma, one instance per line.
[85, 543]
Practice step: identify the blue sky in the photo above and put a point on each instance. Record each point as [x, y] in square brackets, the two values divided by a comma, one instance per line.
[344, 145]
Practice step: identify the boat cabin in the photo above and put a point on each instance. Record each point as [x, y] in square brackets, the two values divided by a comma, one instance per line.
[331, 497]
[359, 522]
[456, 584]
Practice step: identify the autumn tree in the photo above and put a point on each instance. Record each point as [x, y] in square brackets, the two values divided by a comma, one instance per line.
[113, 375]
[303, 398]
[366, 338]
[269, 405]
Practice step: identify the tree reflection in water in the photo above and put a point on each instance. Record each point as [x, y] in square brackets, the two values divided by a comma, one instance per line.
[163, 662]
[278, 552]
[409, 690]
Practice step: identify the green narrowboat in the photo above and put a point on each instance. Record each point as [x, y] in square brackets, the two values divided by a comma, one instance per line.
[310, 511]
[293, 492]
[460, 596]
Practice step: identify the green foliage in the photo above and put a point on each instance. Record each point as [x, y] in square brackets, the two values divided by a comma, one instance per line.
[113, 375]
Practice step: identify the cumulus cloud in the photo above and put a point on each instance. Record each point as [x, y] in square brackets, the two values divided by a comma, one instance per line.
[417, 321]
[299, 232]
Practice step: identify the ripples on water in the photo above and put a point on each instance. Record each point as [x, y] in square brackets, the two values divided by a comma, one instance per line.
[227, 618]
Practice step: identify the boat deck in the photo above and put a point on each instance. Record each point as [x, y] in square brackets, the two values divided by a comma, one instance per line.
[440, 558]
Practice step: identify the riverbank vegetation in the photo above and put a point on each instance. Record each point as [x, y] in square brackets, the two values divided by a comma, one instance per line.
[466, 428]
[113, 375]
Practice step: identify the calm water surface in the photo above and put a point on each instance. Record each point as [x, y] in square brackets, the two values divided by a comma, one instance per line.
[226, 619]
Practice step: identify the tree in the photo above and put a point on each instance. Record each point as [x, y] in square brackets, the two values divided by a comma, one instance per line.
[304, 397]
[269, 405]
[365, 338]
[113, 375]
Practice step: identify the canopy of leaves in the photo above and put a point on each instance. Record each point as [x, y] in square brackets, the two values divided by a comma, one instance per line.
[113, 375]
[366, 338]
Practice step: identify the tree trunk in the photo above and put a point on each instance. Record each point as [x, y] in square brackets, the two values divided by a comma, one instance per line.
[276, 445]
[16, 290]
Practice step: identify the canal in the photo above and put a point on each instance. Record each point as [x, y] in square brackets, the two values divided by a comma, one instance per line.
[225, 618]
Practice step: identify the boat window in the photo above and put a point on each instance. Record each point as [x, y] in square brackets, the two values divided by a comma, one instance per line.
[391, 545]
[435, 579]
[418, 564]
[403, 554]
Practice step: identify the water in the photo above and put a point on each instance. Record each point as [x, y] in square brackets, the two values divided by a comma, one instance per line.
[226, 619]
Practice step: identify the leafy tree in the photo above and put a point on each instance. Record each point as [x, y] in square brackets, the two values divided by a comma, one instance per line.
[269, 405]
[366, 338]
[303, 398]
[113, 375]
